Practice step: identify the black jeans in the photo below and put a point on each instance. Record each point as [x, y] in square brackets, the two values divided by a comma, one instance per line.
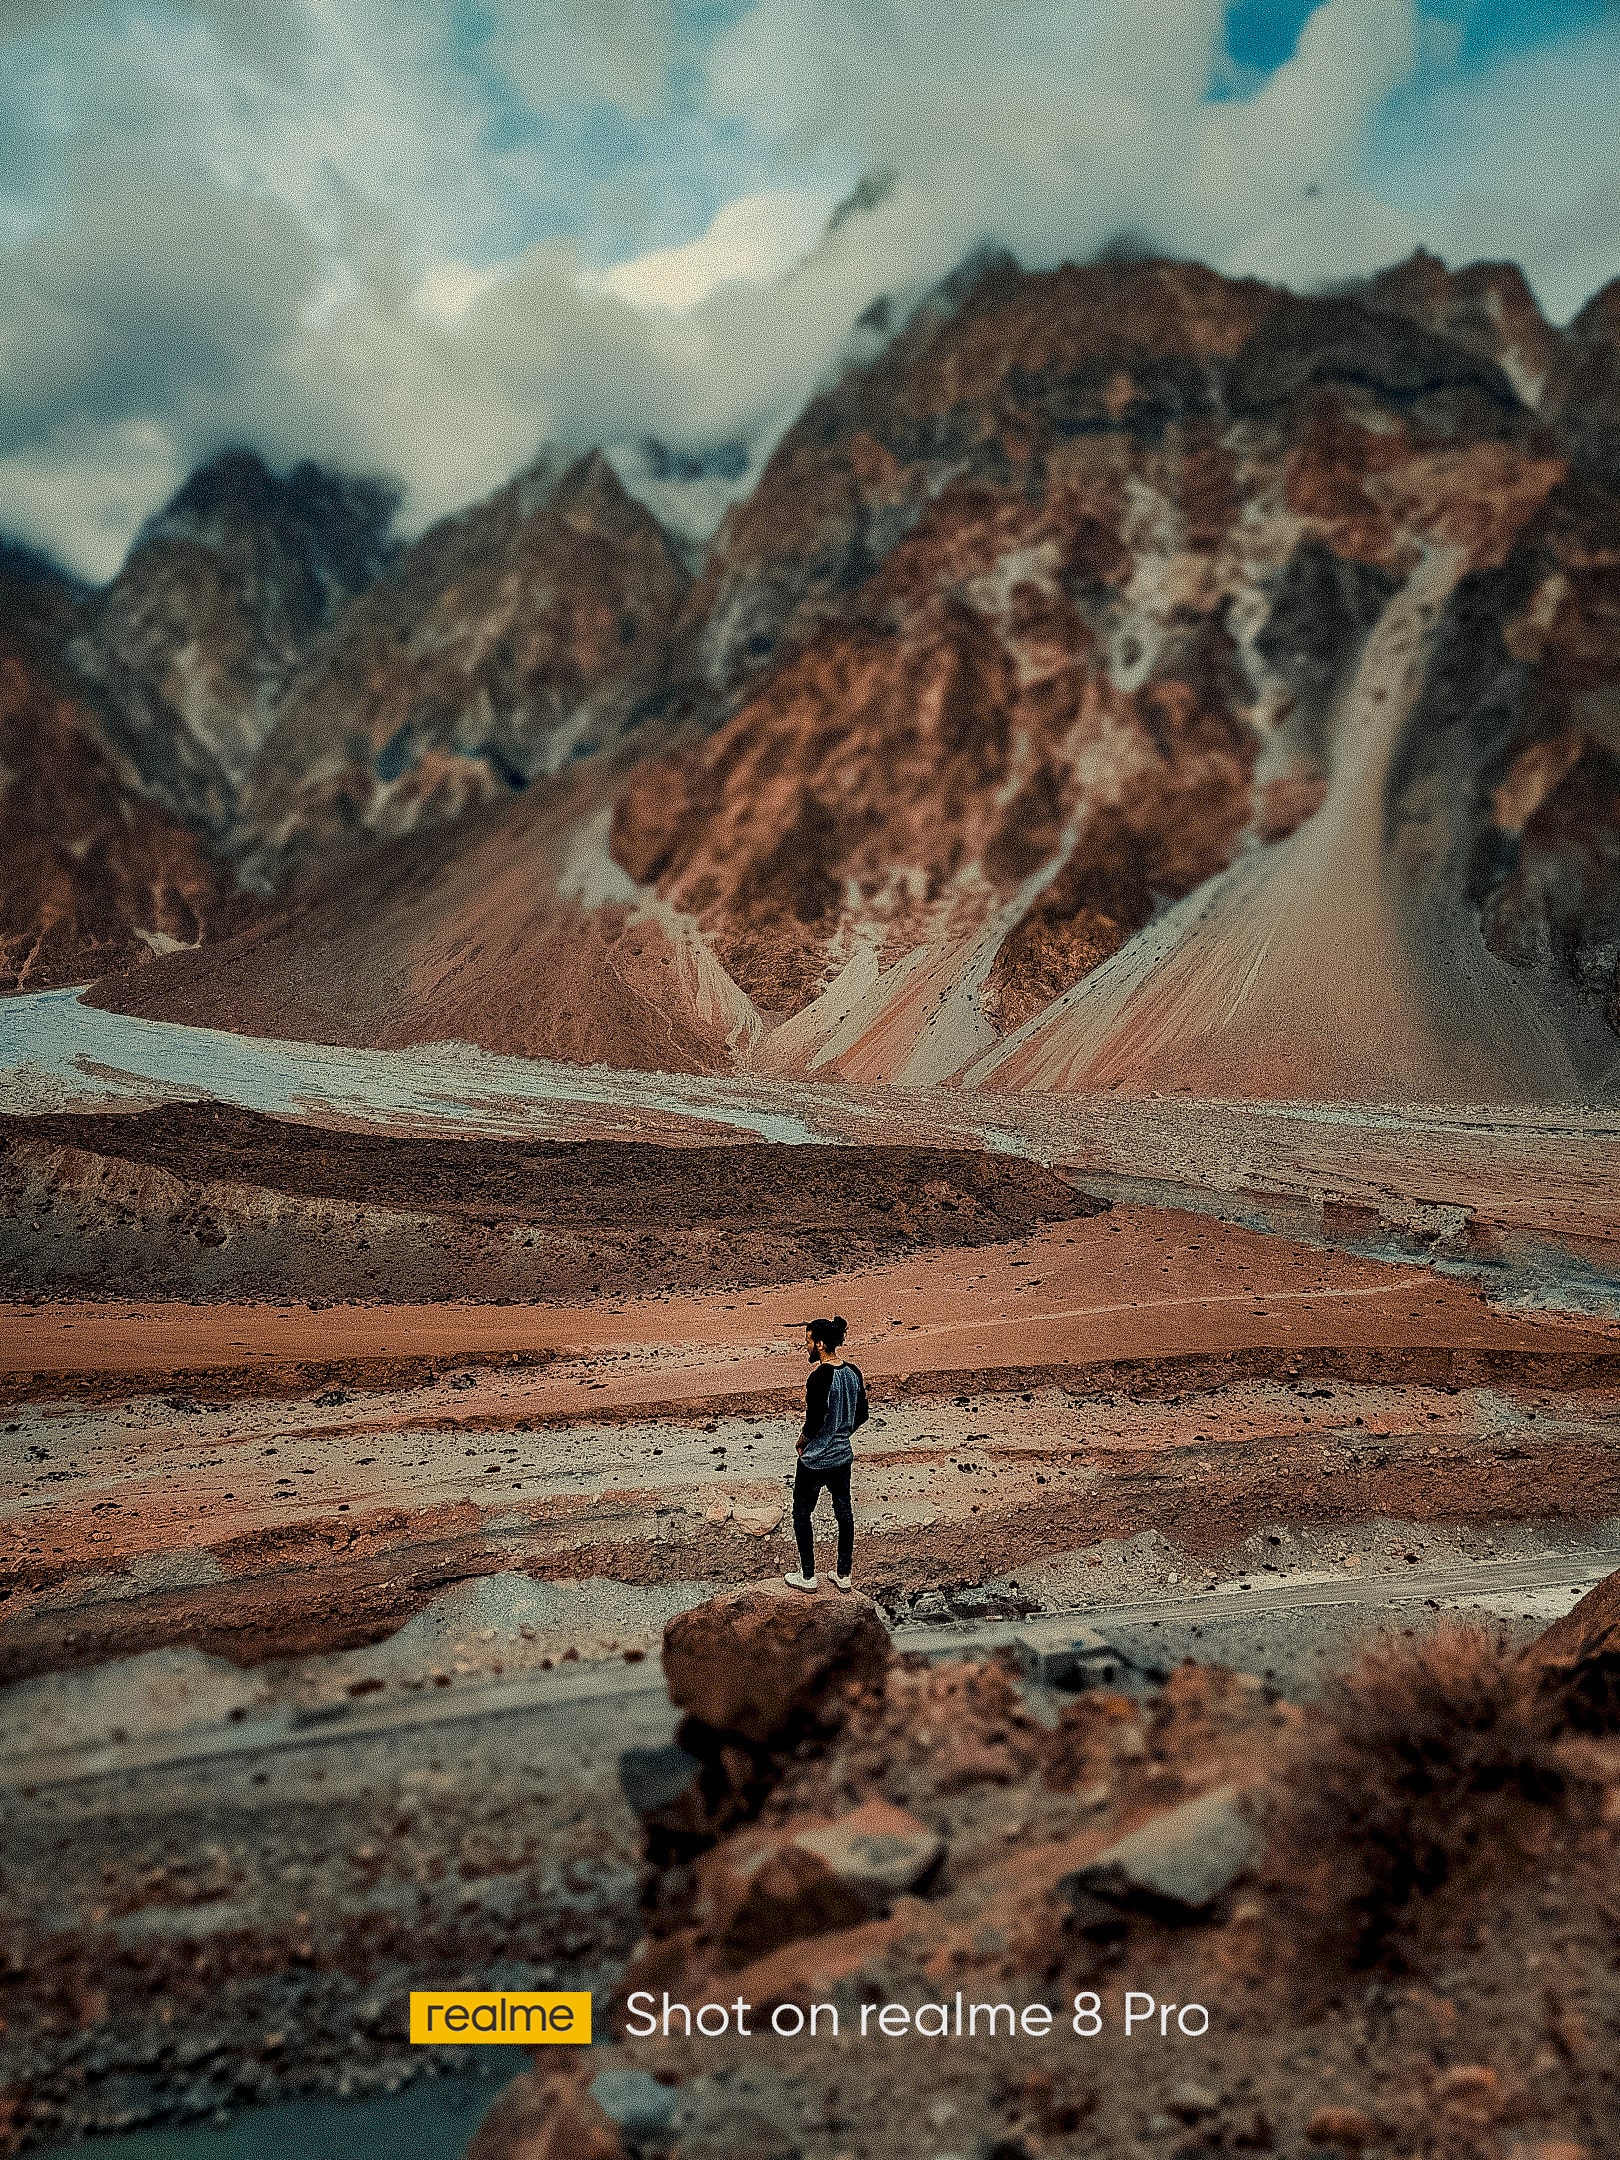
[807, 1486]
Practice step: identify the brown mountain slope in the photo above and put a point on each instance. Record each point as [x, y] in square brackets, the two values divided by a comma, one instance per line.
[1083, 683]
[928, 763]
[1448, 923]
[991, 373]
[92, 877]
[513, 931]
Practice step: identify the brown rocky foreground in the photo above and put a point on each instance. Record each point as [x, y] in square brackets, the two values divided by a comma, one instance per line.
[1383, 1924]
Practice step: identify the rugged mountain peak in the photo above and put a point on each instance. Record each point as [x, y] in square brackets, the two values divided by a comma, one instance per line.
[1487, 308]
[1089, 673]
[25, 567]
[589, 494]
[1001, 371]
[1062, 605]
[223, 591]
[988, 371]
[590, 480]
[335, 526]
[688, 490]
[1570, 378]
[1586, 407]
[38, 592]
[1598, 323]
[508, 640]
[1339, 341]
[585, 491]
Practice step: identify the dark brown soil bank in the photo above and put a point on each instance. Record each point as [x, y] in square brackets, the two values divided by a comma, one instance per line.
[205, 1200]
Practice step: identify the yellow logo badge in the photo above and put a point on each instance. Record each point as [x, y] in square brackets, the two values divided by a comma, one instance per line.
[458, 2018]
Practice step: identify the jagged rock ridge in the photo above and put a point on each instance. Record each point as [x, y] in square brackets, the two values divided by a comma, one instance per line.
[192, 644]
[505, 643]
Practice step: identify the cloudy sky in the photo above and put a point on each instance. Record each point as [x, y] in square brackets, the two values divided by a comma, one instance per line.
[424, 237]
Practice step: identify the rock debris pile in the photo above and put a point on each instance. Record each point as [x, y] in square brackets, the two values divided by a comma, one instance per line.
[938, 1909]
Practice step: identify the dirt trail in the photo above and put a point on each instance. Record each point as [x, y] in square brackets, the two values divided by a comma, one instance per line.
[1279, 1622]
[1135, 1285]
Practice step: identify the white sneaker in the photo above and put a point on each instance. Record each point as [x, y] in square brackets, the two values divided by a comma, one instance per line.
[843, 1582]
[801, 1582]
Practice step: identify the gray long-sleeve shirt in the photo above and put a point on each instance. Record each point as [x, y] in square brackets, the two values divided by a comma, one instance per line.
[834, 1405]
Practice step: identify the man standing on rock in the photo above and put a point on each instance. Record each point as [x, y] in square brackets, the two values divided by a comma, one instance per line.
[834, 1406]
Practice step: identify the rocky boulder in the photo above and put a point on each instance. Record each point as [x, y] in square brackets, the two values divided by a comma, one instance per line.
[664, 1786]
[1579, 1658]
[1175, 1866]
[766, 1886]
[1589, 1627]
[759, 1661]
[878, 1850]
[761, 1888]
[549, 2114]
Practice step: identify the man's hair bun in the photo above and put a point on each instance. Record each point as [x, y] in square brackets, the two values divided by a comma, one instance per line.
[840, 1329]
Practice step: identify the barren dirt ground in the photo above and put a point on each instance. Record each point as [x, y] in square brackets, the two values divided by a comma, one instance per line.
[290, 1589]
[1141, 1370]
[1138, 1284]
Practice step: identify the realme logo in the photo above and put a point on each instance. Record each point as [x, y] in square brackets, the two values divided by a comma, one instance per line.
[464, 2020]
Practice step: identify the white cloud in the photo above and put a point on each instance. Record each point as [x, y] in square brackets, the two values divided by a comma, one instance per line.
[1572, 250]
[570, 52]
[1050, 125]
[81, 491]
[312, 228]
[1347, 229]
[1518, 160]
[750, 242]
[310, 104]
[446, 290]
